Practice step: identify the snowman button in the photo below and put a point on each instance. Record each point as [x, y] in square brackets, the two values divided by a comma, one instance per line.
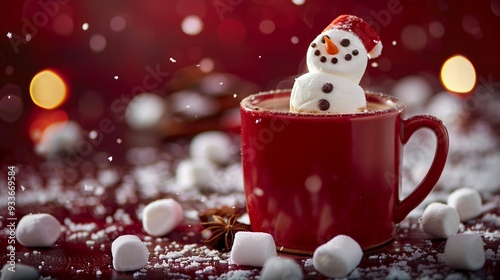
[327, 87]
[323, 104]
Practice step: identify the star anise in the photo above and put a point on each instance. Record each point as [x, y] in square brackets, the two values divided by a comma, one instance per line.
[223, 211]
[222, 232]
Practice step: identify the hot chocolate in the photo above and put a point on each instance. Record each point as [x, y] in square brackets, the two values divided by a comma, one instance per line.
[282, 104]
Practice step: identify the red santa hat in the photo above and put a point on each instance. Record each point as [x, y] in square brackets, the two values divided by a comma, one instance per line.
[361, 29]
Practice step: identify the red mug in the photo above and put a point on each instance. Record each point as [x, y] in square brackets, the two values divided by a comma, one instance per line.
[310, 177]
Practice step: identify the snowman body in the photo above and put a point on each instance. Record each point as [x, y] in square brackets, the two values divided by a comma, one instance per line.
[336, 60]
[318, 92]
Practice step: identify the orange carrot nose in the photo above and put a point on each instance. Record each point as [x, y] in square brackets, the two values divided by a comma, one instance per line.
[331, 48]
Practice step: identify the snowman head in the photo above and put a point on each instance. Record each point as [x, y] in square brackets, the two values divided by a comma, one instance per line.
[343, 48]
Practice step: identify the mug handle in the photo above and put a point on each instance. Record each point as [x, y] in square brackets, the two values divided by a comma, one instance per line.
[404, 207]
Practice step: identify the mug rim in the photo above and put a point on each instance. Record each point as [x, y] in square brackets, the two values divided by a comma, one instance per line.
[250, 103]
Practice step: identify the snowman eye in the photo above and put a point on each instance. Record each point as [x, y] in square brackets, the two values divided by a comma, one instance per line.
[345, 42]
[323, 38]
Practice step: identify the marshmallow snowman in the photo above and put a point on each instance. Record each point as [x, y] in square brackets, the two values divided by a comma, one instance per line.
[336, 60]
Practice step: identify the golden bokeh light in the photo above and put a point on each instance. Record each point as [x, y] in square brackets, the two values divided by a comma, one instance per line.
[458, 74]
[47, 89]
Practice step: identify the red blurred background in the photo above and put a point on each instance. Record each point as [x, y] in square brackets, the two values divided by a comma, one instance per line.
[105, 49]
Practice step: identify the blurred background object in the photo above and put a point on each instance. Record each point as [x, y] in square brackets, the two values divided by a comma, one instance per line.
[82, 63]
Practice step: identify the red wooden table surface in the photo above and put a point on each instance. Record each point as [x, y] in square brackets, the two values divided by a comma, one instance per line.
[94, 212]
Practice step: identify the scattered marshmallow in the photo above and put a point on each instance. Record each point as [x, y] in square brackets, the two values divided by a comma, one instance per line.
[145, 111]
[19, 272]
[252, 248]
[338, 257]
[193, 104]
[215, 146]
[276, 268]
[129, 253]
[467, 201]
[464, 251]
[38, 230]
[59, 137]
[440, 220]
[194, 173]
[160, 217]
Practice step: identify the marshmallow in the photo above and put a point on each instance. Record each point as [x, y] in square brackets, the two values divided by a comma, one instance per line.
[467, 201]
[194, 173]
[38, 230]
[193, 104]
[129, 253]
[19, 272]
[59, 137]
[338, 257]
[252, 248]
[214, 146]
[276, 268]
[336, 60]
[160, 217]
[145, 111]
[324, 93]
[440, 220]
[351, 70]
[464, 251]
